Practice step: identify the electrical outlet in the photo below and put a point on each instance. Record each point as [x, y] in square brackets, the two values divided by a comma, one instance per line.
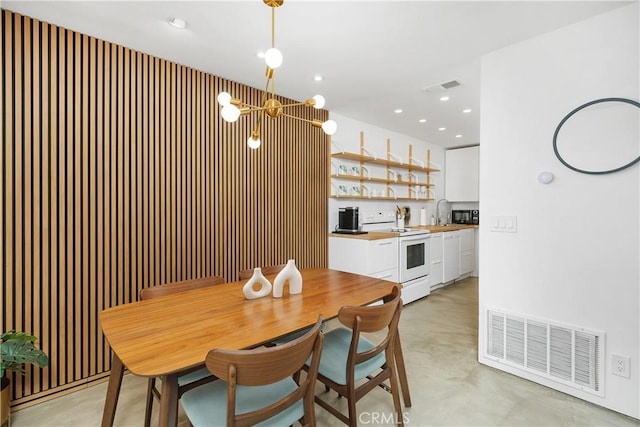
[620, 365]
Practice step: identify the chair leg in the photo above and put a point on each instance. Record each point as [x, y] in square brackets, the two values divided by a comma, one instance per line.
[147, 412]
[402, 372]
[395, 393]
[351, 404]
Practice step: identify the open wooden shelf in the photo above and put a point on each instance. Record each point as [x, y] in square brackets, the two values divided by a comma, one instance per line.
[383, 162]
[390, 185]
[366, 179]
[413, 199]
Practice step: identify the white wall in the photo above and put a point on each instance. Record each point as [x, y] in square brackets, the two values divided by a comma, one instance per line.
[375, 140]
[575, 256]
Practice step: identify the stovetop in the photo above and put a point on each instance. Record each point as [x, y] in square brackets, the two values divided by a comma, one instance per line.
[408, 231]
[385, 221]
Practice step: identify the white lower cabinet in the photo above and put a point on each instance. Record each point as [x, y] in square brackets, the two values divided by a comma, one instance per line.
[451, 256]
[436, 254]
[467, 253]
[375, 258]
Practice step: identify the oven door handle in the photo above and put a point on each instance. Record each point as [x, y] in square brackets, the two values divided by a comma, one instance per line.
[414, 239]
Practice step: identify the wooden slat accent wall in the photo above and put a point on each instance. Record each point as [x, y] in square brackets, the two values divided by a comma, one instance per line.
[119, 173]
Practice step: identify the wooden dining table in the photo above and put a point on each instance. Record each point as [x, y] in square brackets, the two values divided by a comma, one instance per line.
[166, 336]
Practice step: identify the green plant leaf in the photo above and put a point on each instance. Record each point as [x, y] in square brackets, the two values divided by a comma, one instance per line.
[18, 349]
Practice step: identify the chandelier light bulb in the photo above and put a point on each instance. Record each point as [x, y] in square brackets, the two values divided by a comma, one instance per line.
[273, 58]
[230, 113]
[319, 102]
[224, 98]
[253, 143]
[329, 127]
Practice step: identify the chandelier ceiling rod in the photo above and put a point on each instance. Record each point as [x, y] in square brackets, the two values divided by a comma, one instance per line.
[233, 108]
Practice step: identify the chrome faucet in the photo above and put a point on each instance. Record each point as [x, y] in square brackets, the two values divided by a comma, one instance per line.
[438, 210]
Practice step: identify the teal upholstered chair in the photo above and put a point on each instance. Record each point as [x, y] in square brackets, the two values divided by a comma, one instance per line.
[348, 357]
[257, 386]
[195, 377]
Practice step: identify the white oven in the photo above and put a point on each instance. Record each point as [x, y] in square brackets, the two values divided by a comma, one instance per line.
[412, 257]
[413, 262]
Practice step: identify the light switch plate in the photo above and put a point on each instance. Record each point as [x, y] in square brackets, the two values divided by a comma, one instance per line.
[504, 224]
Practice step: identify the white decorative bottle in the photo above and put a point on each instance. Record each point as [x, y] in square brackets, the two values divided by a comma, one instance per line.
[289, 274]
[257, 278]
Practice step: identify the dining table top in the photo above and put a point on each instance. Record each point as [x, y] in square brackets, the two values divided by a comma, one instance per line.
[172, 333]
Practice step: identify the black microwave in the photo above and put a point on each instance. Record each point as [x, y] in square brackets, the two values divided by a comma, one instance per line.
[465, 216]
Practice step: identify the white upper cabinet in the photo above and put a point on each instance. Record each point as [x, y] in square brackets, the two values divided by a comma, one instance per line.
[461, 174]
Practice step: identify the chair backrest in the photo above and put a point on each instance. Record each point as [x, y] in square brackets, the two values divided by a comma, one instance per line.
[263, 366]
[272, 269]
[372, 319]
[175, 287]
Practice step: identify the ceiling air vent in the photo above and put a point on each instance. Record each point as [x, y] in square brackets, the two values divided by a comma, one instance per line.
[441, 87]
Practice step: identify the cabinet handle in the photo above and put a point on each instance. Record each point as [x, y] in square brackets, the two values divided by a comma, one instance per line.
[382, 277]
[384, 243]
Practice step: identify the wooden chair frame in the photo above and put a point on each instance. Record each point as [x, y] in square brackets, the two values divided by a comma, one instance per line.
[263, 366]
[362, 320]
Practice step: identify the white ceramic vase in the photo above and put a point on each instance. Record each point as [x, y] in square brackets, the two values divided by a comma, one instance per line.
[257, 278]
[289, 274]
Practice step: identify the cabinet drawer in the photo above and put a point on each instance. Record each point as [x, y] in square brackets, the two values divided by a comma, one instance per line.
[382, 255]
[363, 256]
[390, 275]
[436, 249]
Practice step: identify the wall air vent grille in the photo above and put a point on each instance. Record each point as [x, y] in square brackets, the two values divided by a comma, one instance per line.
[558, 352]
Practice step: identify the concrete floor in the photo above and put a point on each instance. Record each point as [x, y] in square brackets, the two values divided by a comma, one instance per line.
[448, 386]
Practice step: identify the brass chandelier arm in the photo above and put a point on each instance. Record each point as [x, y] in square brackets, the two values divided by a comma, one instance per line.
[297, 104]
[253, 108]
[316, 123]
[266, 88]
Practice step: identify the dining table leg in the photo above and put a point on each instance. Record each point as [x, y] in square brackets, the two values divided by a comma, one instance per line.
[402, 373]
[113, 391]
[169, 401]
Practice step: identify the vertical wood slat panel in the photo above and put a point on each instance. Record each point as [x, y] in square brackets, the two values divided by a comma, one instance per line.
[118, 174]
[16, 181]
[44, 184]
[99, 179]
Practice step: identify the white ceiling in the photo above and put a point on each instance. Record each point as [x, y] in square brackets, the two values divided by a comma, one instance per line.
[375, 56]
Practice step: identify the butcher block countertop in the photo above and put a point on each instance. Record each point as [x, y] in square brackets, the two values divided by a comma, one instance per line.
[377, 235]
[371, 235]
[444, 228]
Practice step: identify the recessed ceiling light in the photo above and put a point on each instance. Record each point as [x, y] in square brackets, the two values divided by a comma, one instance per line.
[444, 98]
[317, 78]
[468, 110]
[178, 23]
[442, 129]
[458, 136]
[422, 120]
[398, 110]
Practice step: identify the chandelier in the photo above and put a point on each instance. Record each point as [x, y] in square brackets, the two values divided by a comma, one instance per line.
[233, 108]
